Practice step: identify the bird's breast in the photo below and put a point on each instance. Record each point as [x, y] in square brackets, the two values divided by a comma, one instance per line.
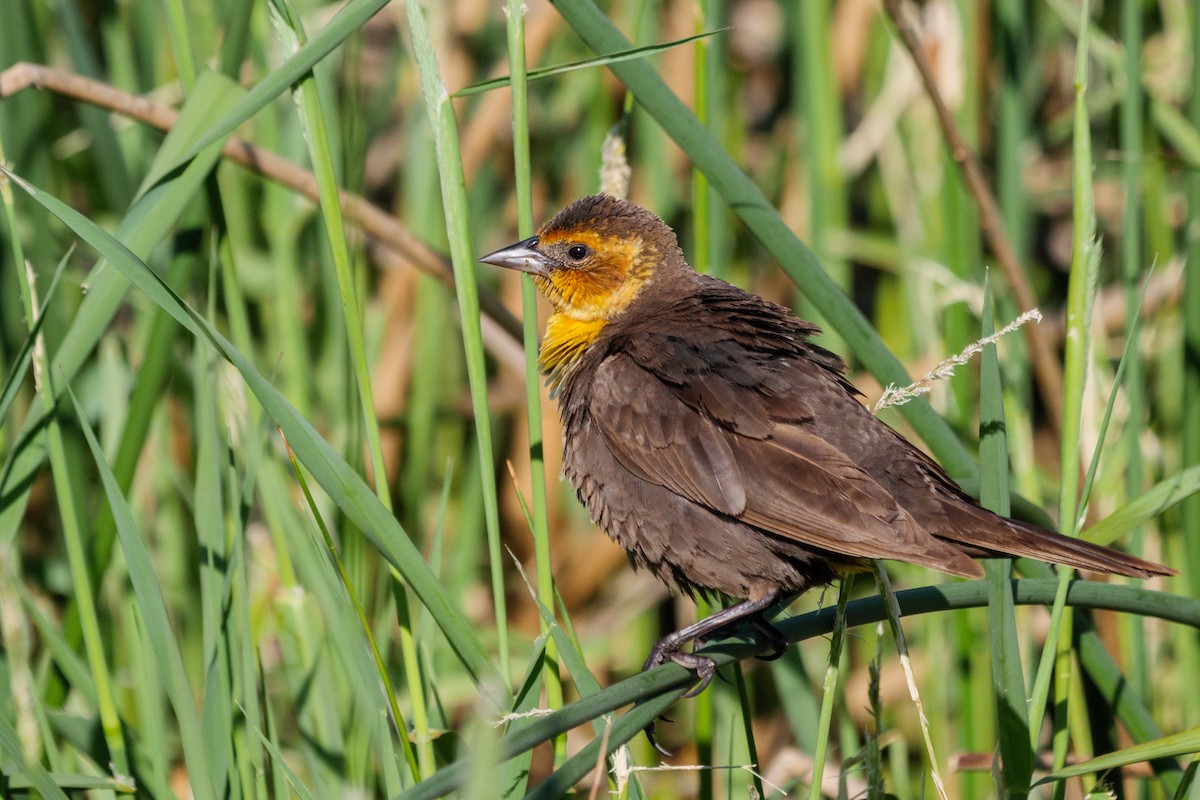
[567, 339]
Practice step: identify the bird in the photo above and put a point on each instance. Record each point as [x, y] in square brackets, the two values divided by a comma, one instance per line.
[727, 453]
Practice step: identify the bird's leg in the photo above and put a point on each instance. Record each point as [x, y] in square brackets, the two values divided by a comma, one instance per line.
[667, 648]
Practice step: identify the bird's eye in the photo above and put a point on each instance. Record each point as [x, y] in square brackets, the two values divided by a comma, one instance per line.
[578, 252]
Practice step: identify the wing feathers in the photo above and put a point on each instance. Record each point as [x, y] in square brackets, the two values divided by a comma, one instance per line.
[793, 484]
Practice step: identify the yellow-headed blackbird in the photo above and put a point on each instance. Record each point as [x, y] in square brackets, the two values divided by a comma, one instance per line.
[722, 449]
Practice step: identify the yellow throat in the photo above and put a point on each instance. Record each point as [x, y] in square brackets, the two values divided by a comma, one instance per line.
[565, 340]
[586, 300]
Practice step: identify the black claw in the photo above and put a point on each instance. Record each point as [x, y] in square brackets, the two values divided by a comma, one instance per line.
[649, 731]
[779, 643]
[774, 655]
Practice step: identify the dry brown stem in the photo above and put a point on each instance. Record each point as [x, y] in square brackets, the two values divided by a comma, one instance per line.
[376, 223]
[1041, 346]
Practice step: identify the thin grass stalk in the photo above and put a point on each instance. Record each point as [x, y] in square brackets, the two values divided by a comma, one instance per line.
[349, 19]
[17, 642]
[963, 251]
[313, 117]
[151, 711]
[704, 74]
[155, 625]
[248, 752]
[704, 720]
[215, 556]
[747, 720]
[533, 395]
[1077, 709]
[33, 772]
[344, 486]
[282, 235]
[543, 73]
[1190, 422]
[177, 28]
[113, 180]
[1131, 142]
[381, 668]
[828, 207]
[77, 559]
[1191, 331]
[428, 380]
[1012, 120]
[234, 43]
[72, 526]
[1008, 680]
[1127, 353]
[143, 225]
[1056, 656]
[893, 613]
[829, 690]
[453, 183]
[301, 641]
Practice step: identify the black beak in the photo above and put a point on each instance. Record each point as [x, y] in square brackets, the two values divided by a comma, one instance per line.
[523, 256]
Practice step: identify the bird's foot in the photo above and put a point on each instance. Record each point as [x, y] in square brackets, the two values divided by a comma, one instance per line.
[666, 650]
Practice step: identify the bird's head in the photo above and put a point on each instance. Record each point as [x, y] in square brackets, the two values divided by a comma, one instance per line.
[595, 256]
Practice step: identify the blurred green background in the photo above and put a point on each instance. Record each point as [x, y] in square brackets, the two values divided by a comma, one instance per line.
[174, 619]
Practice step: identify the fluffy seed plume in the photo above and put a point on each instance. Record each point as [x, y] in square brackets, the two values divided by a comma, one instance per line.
[893, 396]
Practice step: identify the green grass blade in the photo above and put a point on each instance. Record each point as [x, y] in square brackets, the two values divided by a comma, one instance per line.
[1081, 289]
[181, 43]
[61, 652]
[454, 202]
[63, 474]
[285, 769]
[1190, 427]
[540, 516]
[313, 119]
[393, 707]
[335, 476]
[33, 772]
[1122, 699]
[1178, 131]
[154, 615]
[1168, 492]
[587, 63]
[1177, 744]
[20, 368]
[829, 690]
[1008, 680]
[348, 20]
[142, 227]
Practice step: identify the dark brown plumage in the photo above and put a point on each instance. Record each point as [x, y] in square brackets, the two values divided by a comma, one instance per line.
[723, 450]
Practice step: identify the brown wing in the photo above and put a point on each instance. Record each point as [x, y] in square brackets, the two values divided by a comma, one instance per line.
[778, 476]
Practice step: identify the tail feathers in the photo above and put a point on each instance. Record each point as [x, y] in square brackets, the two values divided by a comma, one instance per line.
[1022, 540]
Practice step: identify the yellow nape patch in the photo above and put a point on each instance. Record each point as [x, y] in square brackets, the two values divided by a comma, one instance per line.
[566, 339]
